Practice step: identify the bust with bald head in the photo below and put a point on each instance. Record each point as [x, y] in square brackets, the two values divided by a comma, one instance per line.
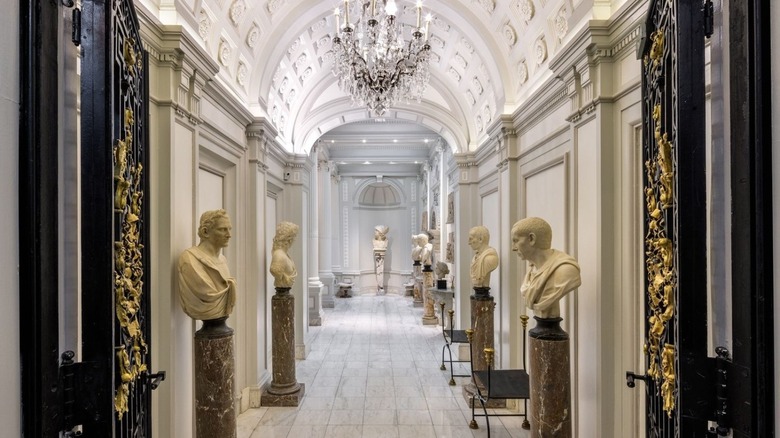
[551, 273]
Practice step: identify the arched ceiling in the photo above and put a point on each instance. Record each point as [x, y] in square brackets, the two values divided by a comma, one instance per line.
[276, 55]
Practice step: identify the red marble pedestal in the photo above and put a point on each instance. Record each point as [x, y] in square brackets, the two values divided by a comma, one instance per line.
[284, 389]
[550, 380]
[215, 411]
[482, 317]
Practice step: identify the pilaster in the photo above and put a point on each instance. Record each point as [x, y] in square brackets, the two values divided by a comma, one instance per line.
[325, 168]
[466, 217]
[259, 134]
[296, 209]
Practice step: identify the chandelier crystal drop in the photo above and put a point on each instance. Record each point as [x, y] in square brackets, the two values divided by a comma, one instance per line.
[378, 59]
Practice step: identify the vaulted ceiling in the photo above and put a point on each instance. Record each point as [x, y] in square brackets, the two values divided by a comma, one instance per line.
[276, 55]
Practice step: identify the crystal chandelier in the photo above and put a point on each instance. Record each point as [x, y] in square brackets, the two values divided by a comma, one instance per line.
[373, 62]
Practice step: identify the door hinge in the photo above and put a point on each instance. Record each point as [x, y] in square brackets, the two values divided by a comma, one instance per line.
[709, 18]
[79, 392]
[722, 414]
[75, 34]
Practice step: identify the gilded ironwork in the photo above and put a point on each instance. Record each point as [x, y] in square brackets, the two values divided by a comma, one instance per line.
[660, 244]
[129, 269]
[131, 309]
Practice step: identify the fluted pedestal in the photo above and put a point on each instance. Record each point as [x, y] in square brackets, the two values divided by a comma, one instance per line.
[429, 314]
[482, 316]
[215, 412]
[550, 379]
[418, 284]
[284, 390]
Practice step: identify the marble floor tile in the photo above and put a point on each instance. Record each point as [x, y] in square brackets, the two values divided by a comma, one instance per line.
[270, 432]
[380, 416]
[373, 371]
[380, 431]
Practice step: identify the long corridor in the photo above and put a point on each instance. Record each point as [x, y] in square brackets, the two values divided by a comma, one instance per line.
[373, 371]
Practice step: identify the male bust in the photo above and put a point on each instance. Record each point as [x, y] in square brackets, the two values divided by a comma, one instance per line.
[206, 288]
[282, 266]
[426, 249]
[551, 274]
[485, 258]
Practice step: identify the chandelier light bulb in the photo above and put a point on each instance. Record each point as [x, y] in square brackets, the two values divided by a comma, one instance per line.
[391, 8]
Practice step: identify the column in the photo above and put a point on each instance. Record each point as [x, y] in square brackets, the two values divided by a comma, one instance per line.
[315, 286]
[324, 194]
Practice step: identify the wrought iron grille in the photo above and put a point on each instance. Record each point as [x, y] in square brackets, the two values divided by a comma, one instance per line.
[132, 396]
[659, 66]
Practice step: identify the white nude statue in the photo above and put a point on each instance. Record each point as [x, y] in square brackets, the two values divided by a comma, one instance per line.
[206, 289]
[551, 274]
[380, 237]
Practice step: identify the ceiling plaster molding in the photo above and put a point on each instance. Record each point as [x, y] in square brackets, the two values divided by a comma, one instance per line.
[549, 97]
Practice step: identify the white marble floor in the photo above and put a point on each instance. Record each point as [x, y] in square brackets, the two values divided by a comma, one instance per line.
[373, 371]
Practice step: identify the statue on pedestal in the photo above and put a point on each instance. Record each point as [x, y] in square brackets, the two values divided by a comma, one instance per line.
[485, 258]
[206, 289]
[424, 250]
[551, 275]
[282, 266]
[380, 248]
[380, 237]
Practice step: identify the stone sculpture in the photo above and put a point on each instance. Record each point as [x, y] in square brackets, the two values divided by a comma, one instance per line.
[426, 249]
[380, 237]
[282, 266]
[441, 270]
[485, 258]
[206, 289]
[552, 273]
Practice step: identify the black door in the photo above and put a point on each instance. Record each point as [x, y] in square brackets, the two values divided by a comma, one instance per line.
[105, 391]
[687, 386]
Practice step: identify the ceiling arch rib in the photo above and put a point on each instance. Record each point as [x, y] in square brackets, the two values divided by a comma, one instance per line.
[453, 125]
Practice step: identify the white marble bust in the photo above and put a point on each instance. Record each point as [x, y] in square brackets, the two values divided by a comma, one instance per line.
[551, 275]
[206, 288]
[485, 258]
[282, 266]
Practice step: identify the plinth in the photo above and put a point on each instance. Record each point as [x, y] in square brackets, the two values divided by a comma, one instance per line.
[550, 379]
[418, 285]
[482, 316]
[429, 315]
[284, 390]
[215, 411]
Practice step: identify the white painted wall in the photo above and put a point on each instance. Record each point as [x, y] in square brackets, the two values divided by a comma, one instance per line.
[354, 234]
[10, 381]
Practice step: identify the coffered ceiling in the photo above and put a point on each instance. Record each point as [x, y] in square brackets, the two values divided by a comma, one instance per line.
[276, 55]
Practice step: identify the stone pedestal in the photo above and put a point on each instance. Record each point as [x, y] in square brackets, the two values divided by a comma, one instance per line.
[429, 314]
[284, 390]
[215, 412]
[379, 271]
[482, 317]
[418, 284]
[316, 289]
[550, 379]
